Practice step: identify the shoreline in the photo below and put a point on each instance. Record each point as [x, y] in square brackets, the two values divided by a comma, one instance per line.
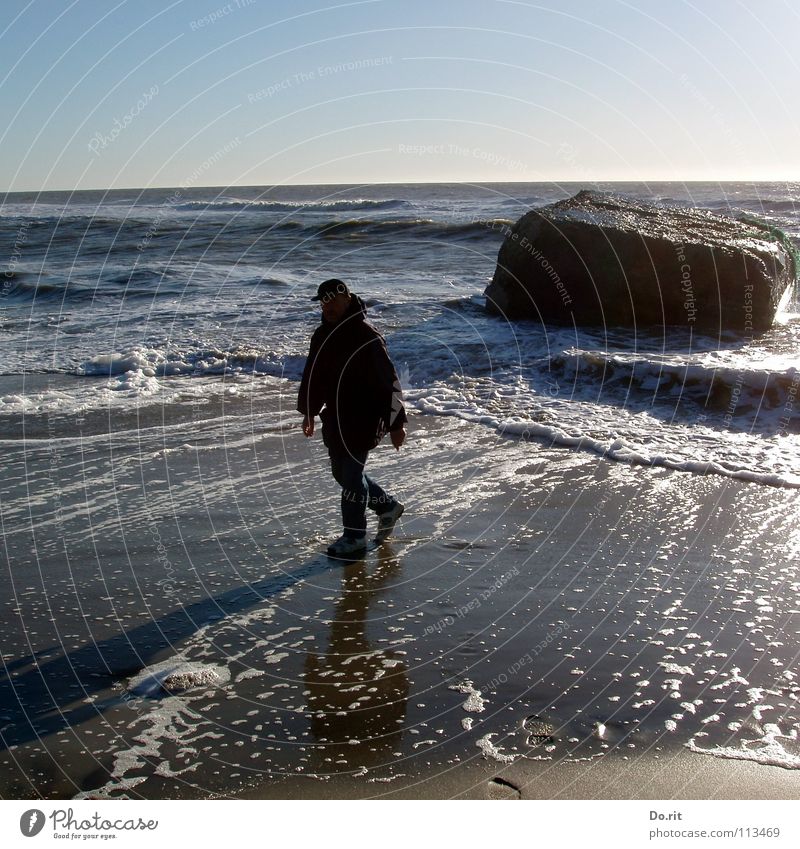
[638, 594]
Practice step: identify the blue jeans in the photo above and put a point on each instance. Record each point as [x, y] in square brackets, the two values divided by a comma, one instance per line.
[358, 490]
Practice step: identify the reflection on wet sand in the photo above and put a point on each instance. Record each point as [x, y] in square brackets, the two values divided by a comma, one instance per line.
[356, 693]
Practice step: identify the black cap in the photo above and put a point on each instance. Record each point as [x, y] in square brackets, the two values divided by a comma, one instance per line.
[330, 289]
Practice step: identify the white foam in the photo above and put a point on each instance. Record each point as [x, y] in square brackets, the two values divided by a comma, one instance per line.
[491, 751]
[474, 703]
[768, 750]
[511, 406]
[573, 416]
[249, 673]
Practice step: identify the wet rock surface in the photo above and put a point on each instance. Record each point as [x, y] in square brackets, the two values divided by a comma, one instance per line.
[601, 259]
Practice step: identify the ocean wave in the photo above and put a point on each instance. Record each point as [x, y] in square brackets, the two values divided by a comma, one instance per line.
[765, 205]
[614, 434]
[286, 206]
[719, 389]
[612, 427]
[29, 288]
[421, 227]
[80, 221]
[266, 282]
[193, 361]
[141, 276]
[757, 205]
[350, 228]
[102, 237]
[624, 451]
[525, 203]
[163, 375]
[24, 287]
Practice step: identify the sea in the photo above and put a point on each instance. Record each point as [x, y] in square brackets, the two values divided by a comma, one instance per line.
[600, 554]
[121, 300]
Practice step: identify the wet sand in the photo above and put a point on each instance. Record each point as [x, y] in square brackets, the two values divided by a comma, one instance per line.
[676, 774]
[543, 616]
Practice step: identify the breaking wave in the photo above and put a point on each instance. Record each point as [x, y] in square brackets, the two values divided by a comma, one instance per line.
[284, 206]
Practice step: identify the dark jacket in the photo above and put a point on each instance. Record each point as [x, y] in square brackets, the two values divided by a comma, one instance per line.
[350, 375]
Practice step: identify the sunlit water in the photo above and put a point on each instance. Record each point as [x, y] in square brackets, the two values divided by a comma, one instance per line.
[163, 518]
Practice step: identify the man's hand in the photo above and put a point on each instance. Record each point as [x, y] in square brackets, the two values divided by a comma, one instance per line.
[398, 437]
[308, 425]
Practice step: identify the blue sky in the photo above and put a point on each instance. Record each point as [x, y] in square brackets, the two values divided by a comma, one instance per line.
[117, 93]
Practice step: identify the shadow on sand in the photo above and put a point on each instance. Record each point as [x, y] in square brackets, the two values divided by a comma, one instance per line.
[38, 695]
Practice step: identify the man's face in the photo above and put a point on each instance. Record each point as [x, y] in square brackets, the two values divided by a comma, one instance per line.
[333, 309]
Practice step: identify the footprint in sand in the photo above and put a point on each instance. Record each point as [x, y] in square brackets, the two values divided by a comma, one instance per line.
[502, 789]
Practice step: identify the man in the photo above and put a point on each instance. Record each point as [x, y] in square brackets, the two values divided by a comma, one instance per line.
[351, 380]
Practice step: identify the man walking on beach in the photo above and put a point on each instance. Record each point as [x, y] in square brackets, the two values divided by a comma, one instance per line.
[351, 380]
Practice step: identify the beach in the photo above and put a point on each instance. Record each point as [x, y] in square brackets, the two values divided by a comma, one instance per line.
[573, 232]
[574, 626]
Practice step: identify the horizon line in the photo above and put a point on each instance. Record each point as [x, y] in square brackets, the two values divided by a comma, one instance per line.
[589, 182]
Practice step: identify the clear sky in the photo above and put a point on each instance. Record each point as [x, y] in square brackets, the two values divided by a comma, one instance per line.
[134, 93]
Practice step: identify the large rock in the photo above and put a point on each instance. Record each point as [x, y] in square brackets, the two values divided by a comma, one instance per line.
[599, 259]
